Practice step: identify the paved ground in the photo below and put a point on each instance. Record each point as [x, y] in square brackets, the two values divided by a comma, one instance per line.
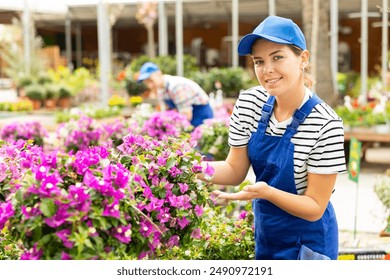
[360, 213]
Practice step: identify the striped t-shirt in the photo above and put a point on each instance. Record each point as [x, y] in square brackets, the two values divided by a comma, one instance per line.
[183, 92]
[319, 141]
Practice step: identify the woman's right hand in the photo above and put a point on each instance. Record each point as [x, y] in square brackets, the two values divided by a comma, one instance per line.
[249, 192]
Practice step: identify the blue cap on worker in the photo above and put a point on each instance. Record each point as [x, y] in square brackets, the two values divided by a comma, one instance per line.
[146, 70]
[275, 29]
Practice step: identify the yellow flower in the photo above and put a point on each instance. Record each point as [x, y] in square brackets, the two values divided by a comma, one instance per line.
[116, 100]
[136, 100]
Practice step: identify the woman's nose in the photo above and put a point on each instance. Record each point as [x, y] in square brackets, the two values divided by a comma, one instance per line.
[268, 68]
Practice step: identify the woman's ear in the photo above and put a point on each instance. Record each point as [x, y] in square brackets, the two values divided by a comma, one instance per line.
[305, 55]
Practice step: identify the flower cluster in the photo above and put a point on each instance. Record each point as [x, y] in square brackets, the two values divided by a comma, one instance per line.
[24, 131]
[91, 205]
[135, 100]
[79, 134]
[16, 158]
[367, 115]
[167, 123]
[114, 131]
[117, 100]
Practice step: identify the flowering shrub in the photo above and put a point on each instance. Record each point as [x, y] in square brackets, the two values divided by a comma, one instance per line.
[212, 137]
[222, 236]
[166, 123]
[92, 206]
[24, 131]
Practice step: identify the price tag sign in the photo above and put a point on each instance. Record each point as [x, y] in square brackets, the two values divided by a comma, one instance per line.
[355, 149]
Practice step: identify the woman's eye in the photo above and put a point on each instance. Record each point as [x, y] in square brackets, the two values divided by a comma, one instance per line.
[278, 57]
[258, 62]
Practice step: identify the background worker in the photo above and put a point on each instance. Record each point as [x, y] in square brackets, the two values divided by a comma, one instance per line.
[179, 93]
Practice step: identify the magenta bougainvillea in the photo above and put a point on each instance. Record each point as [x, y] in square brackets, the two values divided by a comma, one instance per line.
[92, 205]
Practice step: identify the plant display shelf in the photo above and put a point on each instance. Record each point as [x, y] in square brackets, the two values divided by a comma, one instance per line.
[367, 137]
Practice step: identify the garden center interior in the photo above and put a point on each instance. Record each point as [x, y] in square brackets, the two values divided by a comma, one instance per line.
[207, 28]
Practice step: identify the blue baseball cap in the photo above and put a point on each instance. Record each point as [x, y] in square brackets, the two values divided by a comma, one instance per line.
[275, 29]
[146, 70]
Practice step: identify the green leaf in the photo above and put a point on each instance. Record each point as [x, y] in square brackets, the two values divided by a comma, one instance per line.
[47, 207]
[19, 195]
[88, 243]
[126, 160]
[45, 239]
[171, 162]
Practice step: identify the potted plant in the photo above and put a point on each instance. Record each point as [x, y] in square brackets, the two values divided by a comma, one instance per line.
[52, 93]
[64, 96]
[22, 82]
[212, 138]
[36, 93]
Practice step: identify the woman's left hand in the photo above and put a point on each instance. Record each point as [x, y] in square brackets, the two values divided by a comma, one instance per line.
[249, 192]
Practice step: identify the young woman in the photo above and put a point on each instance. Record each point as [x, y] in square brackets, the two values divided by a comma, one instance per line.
[178, 93]
[294, 143]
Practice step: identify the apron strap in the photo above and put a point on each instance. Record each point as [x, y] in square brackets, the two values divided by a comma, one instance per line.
[266, 113]
[300, 115]
[267, 109]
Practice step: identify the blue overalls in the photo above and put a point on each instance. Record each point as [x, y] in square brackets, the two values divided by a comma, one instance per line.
[278, 234]
[199, 112]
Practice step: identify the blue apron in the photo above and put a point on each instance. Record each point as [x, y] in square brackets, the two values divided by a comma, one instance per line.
[199, 112]
[278, 234]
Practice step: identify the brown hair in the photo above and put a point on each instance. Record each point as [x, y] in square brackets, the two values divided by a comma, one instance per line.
[306, 71]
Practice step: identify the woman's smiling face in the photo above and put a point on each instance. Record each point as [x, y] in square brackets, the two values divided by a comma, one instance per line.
[278, 69]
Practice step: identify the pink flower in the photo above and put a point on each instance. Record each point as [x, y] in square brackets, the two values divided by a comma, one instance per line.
[183, 187]
[198, 210]
[146, 228]
[196, 233]
[183, 222]
[173, 241]
[112, 209]
[154, 205]
[64, 236]
[6, 211]
[30, 212]
[65, 256]
[164, 215]
[174, 171]
[243, 214]
[58, 218]
[209, 171]
[122, 233]
[32, 254]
